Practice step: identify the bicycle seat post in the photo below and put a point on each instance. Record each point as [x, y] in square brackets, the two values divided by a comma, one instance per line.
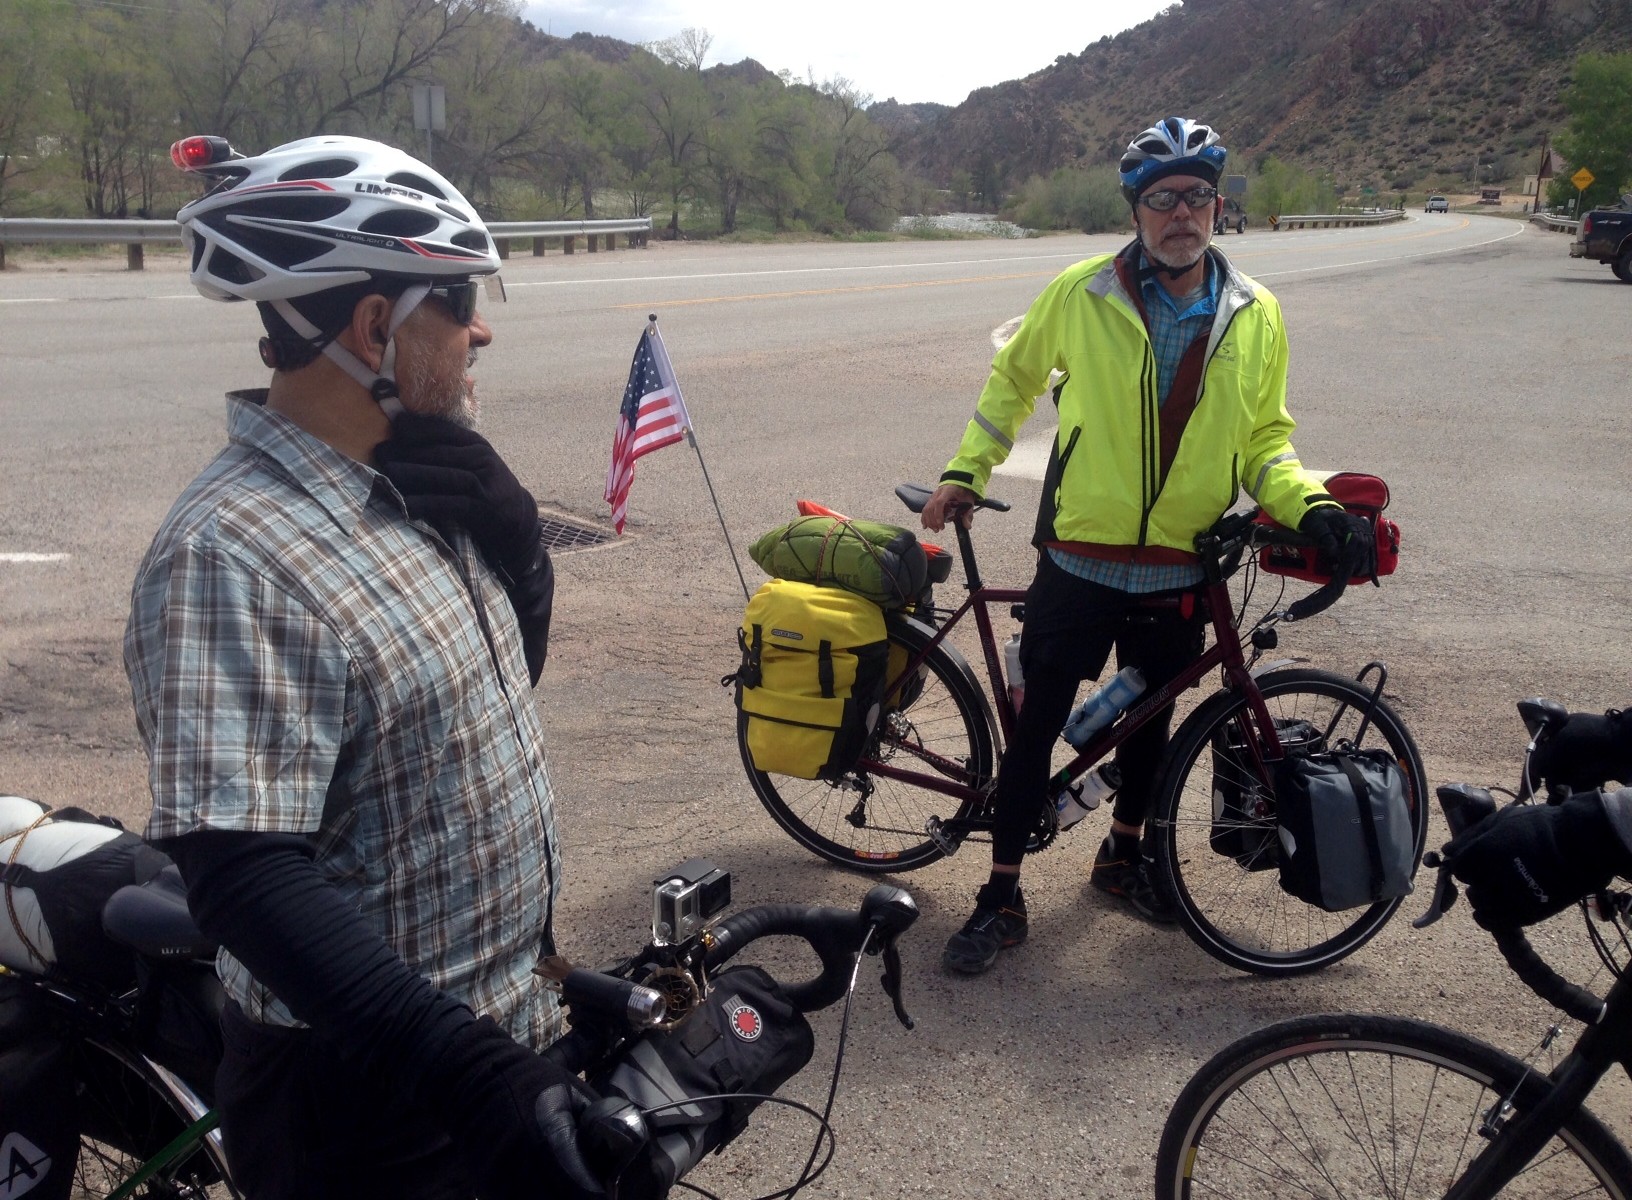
[966, 548]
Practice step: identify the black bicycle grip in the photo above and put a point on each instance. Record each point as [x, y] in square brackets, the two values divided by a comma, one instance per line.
[835, 934]
[1547, 983]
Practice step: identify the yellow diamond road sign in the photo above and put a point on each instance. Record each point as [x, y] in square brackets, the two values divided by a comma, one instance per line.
[1583, 179]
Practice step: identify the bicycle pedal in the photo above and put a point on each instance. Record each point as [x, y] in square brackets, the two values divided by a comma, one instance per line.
[936, 832]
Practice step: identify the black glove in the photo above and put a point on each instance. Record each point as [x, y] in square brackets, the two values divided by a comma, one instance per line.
[1529, 861]
[1344, 542]
[514, 1116]
[1586, 752]
[451, 476]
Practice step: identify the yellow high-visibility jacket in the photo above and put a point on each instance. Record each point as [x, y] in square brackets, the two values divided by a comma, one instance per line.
[1106, 485]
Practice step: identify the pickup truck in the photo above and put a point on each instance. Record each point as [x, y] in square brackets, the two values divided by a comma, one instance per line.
[1606, 235]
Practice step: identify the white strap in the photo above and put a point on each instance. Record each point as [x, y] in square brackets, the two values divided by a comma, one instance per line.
[348, 362]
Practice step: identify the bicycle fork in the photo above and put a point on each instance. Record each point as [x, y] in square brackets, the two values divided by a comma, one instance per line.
[1519, 1139]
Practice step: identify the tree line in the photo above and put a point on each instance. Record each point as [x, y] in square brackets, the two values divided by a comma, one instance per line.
[93, 92]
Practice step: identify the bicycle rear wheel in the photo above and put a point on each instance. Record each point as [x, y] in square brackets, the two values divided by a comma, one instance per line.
[936, 722]
[1232, 905]
[1342, 1106]
[127, 1117]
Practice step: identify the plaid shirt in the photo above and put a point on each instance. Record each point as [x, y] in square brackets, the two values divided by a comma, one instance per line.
[305, 659]
[1172, 329]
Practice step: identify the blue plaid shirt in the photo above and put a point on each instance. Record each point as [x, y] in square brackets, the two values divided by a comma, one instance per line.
[306, 659]
[1173, 324]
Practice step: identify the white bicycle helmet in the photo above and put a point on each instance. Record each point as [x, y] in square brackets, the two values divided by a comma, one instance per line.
[1172, 146]
[325, 213]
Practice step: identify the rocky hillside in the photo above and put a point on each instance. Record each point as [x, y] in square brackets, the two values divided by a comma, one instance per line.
[1386, 94]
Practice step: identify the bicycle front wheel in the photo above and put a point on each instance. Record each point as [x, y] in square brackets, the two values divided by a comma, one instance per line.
[1222, 879]
[1370, 1108]
[935, 723]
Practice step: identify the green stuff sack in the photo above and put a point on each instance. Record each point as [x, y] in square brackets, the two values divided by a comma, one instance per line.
[811, 680]
[882, 562]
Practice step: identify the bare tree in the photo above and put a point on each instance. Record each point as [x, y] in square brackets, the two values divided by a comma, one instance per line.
[686, 49]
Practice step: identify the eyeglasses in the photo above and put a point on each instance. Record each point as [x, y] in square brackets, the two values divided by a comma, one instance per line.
[1166, 199]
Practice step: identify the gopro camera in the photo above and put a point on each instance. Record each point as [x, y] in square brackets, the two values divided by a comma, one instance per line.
[686, 899]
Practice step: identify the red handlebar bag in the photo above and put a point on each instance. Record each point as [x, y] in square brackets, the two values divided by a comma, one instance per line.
[1364, 496]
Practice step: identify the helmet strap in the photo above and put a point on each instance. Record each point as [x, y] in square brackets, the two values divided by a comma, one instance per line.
[381, 384]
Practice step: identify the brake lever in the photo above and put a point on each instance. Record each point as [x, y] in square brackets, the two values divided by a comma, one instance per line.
[1445, 891]
[891, 982]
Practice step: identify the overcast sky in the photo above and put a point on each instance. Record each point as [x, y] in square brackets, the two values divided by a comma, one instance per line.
[913, 52]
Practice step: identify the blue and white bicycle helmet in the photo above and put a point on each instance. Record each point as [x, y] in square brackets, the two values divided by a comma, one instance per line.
[1172, 146]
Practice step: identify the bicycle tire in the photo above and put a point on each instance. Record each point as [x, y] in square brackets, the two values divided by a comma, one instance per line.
[127, 1116]
[874, 824]
[1241, 916]
[1338, 1106]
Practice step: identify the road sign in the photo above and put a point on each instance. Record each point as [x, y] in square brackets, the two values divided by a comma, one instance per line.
[1582, 179]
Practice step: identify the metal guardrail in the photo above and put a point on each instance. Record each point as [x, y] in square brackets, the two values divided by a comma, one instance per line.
[1334, 220]
[133, 235]
[1555, 224]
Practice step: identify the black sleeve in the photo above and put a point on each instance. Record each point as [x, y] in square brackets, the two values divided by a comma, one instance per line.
[262, 896]
[532, 595]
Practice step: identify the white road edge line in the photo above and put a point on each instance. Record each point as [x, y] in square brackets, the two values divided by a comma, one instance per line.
[26, 557]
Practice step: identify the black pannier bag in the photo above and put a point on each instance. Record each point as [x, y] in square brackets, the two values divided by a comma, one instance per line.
[39, 1117]
[745, 1037]
[1244, 825]
[1346, 836]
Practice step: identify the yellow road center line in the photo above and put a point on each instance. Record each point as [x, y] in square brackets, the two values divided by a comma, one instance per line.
[870, 287]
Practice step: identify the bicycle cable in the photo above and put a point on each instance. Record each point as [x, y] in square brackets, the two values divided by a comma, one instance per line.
[807, 1175]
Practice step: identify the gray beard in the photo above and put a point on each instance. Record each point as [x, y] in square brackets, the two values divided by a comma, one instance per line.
[451, 403]
[1167, 259]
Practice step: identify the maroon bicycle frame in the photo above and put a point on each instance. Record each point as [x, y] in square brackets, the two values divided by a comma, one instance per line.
[951, 777]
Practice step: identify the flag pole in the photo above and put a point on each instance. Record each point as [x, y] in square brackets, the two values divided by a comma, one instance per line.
[691, 437]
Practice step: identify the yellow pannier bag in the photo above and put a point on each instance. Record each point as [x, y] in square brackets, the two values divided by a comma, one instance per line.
[811, 679]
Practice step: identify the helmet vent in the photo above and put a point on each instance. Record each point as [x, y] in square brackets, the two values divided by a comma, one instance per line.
[400, 223]
[228, 266]
[471, 239]
[458, 214]
[419, 183]
[327, 168]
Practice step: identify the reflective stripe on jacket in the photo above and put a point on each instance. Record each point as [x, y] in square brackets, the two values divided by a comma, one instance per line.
[1104, 483]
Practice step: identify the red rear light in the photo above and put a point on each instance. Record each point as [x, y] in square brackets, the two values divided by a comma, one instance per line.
[1586, 224]
[201, 151]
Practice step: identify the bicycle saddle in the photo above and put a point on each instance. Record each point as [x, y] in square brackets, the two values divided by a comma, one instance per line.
[916, 495]
[152, 919]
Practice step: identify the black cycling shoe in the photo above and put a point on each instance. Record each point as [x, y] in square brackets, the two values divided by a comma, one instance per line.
[994, 928]
[1132, 880]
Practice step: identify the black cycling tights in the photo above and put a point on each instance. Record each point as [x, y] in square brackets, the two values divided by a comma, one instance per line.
[1071, 627]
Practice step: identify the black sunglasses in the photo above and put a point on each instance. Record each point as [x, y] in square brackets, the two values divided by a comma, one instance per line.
[460, 299]
[1166, 199]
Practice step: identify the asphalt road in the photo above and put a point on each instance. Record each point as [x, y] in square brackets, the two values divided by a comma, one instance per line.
[1466, 360]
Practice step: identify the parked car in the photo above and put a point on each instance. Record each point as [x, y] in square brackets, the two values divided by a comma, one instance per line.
[1231, 216]
[1437, 204]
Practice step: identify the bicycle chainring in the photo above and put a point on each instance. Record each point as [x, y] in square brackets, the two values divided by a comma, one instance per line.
[1046, 830]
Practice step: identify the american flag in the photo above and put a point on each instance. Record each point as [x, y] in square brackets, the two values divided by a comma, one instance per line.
[653, 415]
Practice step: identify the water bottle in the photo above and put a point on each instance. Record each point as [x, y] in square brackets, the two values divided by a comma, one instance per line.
[1103, 707]
[1080, 799]
[1011, 670]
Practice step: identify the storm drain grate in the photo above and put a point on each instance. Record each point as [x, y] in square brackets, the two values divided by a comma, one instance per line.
[562, 535]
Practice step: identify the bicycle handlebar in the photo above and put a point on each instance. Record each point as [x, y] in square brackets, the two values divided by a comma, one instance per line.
[835, 934]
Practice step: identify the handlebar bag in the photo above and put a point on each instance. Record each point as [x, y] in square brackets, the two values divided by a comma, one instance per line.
[1364, 496]
[883, 563]
[1344, 826]
[39, 1118]
[57, 870]
[811, 680]
[744, 1038]
[1243, 809]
